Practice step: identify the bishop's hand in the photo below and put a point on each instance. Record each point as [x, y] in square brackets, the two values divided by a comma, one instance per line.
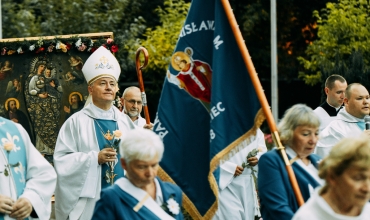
[22, 208]
[6, 204]
[107, 155]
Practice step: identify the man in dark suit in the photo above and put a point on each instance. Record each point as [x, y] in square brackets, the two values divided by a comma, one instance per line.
[335, 85]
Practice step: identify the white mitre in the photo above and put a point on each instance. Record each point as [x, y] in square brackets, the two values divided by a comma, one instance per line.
[101, 63]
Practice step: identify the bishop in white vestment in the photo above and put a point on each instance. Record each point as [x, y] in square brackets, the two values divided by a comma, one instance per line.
[85, 158]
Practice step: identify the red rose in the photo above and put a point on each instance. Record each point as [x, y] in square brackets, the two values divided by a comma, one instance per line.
[92, 49]
[114, 48]
[109, 40]
[40, 50]
[68, 46]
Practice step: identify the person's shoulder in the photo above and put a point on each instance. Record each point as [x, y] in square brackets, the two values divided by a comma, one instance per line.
[77, 115]
[170, 186]
[274, 153]
[366, 211]
[125, 119]
[315, 157]
[109, 191]
[318, 108]
[8, 121]
[77, 118]
[270, 158]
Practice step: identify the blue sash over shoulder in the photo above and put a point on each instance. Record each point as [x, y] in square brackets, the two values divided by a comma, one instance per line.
[14, 153]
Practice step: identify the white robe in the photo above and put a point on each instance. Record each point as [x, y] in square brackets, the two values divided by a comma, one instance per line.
[76, 162]
[237, 195]
[40, 179]
[140, 122]
[324, 117]
[345, 125]
[317, 208]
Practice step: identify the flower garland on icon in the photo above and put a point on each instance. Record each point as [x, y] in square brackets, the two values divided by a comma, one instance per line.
[81, 44]
[171, 206]
[114, 140]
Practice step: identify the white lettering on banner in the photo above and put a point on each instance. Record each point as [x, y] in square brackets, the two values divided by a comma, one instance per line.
[162, 130]
[192, 27]
[217, 42]
[212, 134]
[216, 110]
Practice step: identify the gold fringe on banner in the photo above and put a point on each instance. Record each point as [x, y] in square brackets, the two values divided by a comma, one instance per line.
[227, 153]
[224, 155]
[186, 202]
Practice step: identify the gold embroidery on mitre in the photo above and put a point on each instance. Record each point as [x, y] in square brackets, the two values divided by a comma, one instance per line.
[101, 76]
[104, 64]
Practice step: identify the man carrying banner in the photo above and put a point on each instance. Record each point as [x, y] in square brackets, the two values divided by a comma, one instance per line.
[85, 156]
[237, 198]
[27, 180]
[141, 195]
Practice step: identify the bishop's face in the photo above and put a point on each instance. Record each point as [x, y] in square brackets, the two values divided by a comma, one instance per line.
[103, 90]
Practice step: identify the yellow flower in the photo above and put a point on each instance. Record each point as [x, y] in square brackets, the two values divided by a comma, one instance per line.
[63, 47]
[117, 133]
[8, 146]
[10, 52]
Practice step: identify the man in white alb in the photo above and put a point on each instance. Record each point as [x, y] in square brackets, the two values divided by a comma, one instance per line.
[133, 105]
[350, 120]
[84, 153]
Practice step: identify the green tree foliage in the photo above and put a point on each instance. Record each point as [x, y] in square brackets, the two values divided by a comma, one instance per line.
[343, 27]
[295, 30]
[19, 20]
[126, 19]
[161, 40]
[156, 25]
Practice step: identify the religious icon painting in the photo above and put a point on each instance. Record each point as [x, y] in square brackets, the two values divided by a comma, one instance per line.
[41, 85]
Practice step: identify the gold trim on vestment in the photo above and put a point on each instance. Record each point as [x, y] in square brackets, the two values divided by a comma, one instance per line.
[101, 76]
[141, 203]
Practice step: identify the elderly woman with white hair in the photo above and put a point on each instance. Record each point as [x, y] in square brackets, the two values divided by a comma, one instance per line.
[299, 130]
[140, 194]
[346, 192]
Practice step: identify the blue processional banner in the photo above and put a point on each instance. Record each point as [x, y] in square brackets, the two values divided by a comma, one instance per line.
[208, 105]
